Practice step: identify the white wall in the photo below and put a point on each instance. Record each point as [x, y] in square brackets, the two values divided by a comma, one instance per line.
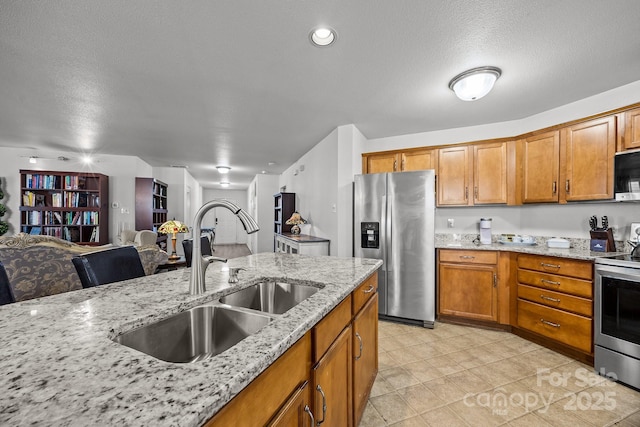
[229, 229]
[121, 170]
[314, 179]
[260, 206]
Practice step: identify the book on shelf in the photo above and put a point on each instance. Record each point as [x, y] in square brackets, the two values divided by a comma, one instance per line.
[35, 231]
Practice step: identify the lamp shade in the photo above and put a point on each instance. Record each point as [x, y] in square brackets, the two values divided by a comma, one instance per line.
[475, 83]
[296, 219]
[173, 226]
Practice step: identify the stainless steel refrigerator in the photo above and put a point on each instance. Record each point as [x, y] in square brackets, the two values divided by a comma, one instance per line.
[394, 221]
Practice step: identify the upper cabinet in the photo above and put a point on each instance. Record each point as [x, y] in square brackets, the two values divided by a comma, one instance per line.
[399, 161]
[587, 151]
[540, 167]
[473, 174]
[631, 131]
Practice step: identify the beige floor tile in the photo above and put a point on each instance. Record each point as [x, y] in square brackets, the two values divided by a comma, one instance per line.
[391, 343]
[385, 361]
[416, 421]
[627, 399]
[371, 417]
[529, 420]
[513, 369]
[489, 353]
[422, 371]
[404, 355]
[420, 398]
[426, 350]
[595, 405]
[476, 415]
[632, 420]
[469, 382]
[443, 417]
[491, 374]
[547, 392]
[445, 365]
[445, 389]
[399, 377]
[559, 414]
[381, 386]
[392, 408]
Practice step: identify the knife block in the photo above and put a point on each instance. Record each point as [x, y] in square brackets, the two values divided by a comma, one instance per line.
[607, 235]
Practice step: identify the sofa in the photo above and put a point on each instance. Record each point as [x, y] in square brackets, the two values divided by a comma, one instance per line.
[38, 266]
[138, 238]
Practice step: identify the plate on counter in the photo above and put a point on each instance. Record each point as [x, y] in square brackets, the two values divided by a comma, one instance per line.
[506, 242]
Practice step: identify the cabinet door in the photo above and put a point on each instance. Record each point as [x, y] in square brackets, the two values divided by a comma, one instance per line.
[632, 129]
[418, 160]
[490, 173]
[541, 163]
[587, 152]
[296, 412]
[332, 384]
[365, 356]
[468, 291]
[454, 176]
[379, 163]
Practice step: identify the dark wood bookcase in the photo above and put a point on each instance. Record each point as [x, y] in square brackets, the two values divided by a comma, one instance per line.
[73, 206]
[284, 205]
[151, 205]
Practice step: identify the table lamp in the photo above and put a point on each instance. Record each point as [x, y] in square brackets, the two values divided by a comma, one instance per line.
[295, 220]
[172, 227]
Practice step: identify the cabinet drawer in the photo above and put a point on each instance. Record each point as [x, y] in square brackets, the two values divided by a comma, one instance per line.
[326, 331]
[564, 327]
[366, 290]
[553, 265]
[469, 257]
[558, 300]
[554, 282]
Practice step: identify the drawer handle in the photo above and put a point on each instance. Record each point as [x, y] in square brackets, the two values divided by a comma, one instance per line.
[544, 264]
[308, 411]
[546, 322]
[467, 257]
[359, 339]
[549, 298]
[324, 405]
[369, 290]
[549, 282]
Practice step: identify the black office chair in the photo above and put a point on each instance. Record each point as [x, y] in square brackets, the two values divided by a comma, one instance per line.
[6, 294]
[187, 245]
[112, 265]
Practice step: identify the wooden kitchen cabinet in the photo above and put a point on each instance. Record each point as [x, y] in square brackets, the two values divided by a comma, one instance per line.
[631, 131]
[540, 167]
[297, 411]
[587, 153]
[332, 383]
[399, 161]
[468, 284]
[473, 174]
[365, 355]
[555, 300]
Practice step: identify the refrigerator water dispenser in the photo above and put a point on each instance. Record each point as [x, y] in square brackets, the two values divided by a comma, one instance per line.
[370, 235]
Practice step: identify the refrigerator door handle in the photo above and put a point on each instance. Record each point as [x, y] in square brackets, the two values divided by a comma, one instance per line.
[383, 233]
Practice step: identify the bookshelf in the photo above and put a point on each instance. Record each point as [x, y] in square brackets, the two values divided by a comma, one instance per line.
[151, 205]
[284, 204]
[73, 206]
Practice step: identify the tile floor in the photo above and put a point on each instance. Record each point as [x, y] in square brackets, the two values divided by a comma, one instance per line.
[462, 376]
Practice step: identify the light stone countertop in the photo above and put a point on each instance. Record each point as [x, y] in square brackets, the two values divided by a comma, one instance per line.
[579, 247]
[60, 366]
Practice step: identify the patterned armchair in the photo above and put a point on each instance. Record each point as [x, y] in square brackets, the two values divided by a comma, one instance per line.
[38, 266]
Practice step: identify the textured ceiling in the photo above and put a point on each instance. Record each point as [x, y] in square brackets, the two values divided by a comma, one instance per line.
[207, 82]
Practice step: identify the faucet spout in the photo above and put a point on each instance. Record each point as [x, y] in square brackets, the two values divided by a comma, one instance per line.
[199, 263]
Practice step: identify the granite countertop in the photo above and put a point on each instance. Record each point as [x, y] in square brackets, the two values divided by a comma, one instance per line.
[61, 367]
[579, 247]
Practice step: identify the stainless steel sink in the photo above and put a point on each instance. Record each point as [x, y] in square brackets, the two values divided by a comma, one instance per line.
[194, 335]
[270, 297]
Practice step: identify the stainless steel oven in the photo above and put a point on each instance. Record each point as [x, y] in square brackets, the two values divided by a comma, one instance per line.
[617, 318]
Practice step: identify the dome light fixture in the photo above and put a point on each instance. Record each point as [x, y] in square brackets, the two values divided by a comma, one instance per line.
[322, 36]
[473, 84]
[223, 169]
[224, 184]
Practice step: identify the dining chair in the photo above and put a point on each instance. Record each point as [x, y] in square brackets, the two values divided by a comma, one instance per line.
[108, 266]
[187, 245]
[6, 295]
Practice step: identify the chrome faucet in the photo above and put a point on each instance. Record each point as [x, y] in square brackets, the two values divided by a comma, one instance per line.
[200, 263]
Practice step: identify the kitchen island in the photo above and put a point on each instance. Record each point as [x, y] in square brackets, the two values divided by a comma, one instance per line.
[61, 366]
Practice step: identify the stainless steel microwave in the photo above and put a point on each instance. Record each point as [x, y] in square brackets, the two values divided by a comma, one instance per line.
[627, 176]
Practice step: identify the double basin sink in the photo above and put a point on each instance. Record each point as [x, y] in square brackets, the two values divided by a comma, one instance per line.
[210, 329]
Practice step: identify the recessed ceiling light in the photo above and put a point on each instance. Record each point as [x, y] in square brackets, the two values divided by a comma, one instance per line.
[224, 184]
[475, 83]
[322, 36]
[223, 169]
[87, 160]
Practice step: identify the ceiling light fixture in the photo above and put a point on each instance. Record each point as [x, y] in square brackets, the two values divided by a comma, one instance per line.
[322, 36]
[33, 159]
[475, 83]
[224, 184]
[223, 169]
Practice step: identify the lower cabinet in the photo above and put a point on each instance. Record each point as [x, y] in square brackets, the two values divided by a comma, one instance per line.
[365, 356]
[467, 284]
[296, 412]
